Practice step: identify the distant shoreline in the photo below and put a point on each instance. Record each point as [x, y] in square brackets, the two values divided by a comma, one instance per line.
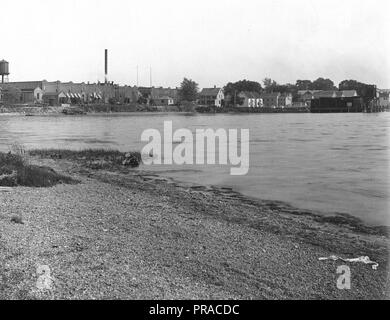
[31, 110]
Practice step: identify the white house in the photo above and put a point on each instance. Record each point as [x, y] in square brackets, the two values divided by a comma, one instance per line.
[250, 100]
[211, 97]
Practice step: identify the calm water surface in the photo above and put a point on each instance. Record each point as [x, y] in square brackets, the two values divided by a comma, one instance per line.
[326, 162]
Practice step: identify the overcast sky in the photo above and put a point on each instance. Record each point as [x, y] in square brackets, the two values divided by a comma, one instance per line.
[212, 42]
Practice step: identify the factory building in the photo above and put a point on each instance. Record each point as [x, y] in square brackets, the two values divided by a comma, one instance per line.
[23, 92]
[56, 93]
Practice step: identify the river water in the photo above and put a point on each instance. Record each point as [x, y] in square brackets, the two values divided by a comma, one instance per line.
[325, 162]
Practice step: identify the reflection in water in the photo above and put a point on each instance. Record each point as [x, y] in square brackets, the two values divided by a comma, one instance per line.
[327, 162]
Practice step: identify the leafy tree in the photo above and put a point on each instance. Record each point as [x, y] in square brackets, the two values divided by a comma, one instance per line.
[350, 85]
[242, 85]
[366, 91]
[323, 84]
[282, 88]
[303, 84]
[319, 84]
[188, 90]
[232, 90]
[290, 88]
[270, 85]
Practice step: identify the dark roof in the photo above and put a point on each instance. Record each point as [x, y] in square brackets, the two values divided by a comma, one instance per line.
[302, 92]
[335, 94]
[26, 85]
[52, 94]
[349, 93]
[159, 93]
[209, 91]
[324, 94]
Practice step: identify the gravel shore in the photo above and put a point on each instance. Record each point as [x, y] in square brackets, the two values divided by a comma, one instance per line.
[131, 235]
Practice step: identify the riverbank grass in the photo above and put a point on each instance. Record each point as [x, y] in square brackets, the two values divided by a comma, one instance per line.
[15, 170]
[92, 158]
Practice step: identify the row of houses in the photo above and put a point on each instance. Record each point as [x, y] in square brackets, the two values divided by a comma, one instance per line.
[246, 99]
[57, 93]
[215, 97]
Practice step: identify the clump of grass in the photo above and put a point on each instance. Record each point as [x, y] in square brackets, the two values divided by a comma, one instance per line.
[93, 158]
[8, 179]
[85, 154]
[19, 150]
[17, 219]
[16, 171]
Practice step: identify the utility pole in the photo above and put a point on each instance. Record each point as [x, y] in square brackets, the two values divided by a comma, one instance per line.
[150, 76]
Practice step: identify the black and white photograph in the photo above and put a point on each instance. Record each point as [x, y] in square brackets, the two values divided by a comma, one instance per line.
[194, 151]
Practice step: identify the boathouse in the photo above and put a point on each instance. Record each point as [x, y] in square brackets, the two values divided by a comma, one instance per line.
[336, 101]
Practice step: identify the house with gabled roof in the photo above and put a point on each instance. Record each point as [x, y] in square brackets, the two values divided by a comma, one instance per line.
[276, 99]
[211, 97]
[163, 101]
[306, 95]
[55, 98]
[164, 96]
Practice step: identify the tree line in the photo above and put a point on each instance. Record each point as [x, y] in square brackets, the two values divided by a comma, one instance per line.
[189, 89]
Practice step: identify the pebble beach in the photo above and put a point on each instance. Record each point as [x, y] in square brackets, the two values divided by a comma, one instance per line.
[129, 234]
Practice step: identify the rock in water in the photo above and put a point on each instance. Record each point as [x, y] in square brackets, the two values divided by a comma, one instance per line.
[131, 159]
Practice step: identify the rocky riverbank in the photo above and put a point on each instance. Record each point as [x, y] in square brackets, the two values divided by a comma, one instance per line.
[36, 110]
[40, 110]
[122, 233]
[29, 110]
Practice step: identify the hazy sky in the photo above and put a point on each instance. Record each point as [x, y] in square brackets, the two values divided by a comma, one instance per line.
[212, 42]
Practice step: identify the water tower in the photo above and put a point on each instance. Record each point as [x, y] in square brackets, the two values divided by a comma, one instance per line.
[4, 70]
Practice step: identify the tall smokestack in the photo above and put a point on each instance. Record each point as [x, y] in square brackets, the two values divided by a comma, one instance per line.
[105, 65]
